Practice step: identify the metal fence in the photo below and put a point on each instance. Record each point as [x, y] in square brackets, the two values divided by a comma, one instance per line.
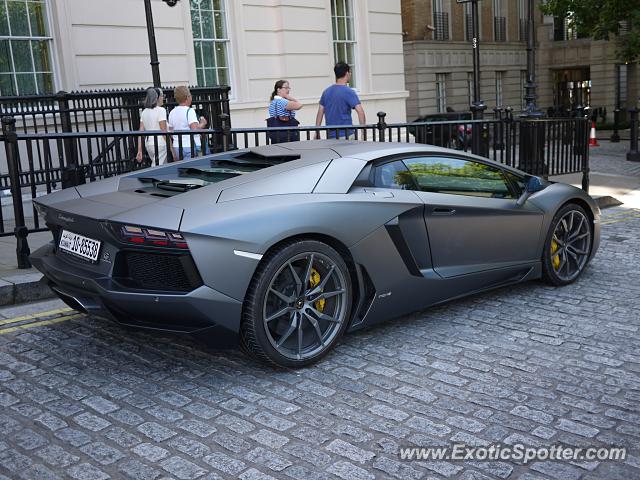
[39, 163]
[104, 110]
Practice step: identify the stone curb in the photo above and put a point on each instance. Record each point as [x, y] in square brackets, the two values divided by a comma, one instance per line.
[607, 201]
[23, 288]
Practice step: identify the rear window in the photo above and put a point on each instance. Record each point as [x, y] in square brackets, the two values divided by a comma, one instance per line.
[199, 172]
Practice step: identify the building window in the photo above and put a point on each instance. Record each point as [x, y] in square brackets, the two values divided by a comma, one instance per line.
[25, 48]
[440, 21]
[441, 92]
[499, 21]
[344, 38]
[622, 85]
[565, 29]
[499, 85]
[210, 41]
[523, 23]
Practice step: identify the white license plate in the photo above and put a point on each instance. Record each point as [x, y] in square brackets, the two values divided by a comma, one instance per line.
[84, 247]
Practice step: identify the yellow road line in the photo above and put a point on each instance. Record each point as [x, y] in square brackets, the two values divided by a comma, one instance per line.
[40, 324]
[36, 315]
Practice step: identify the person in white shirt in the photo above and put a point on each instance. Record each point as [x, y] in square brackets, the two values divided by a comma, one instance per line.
[183, 117]
[153, 117]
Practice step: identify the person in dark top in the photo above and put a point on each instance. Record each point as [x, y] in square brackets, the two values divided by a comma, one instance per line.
[336, 104]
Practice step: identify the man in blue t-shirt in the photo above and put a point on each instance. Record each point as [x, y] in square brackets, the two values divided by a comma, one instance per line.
[337, 101]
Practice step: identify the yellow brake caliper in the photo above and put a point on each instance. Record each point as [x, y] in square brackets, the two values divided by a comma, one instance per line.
[555, 260]
[314, 280]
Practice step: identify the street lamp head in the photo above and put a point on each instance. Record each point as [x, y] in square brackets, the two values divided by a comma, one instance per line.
[171, 3]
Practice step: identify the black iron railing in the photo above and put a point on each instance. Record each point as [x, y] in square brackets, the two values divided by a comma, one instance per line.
[105, 110]
[39, 163]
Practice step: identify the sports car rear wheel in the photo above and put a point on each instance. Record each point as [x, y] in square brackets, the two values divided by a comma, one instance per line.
[568, 245]
[297, 305]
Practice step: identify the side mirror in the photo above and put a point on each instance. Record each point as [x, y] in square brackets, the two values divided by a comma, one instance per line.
[532, 185]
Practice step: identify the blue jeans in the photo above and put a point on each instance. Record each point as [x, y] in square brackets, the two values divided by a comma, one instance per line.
[186, 152]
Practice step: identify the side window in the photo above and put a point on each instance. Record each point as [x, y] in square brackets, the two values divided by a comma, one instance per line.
[458, 177]
[393, 175]
[515, 180]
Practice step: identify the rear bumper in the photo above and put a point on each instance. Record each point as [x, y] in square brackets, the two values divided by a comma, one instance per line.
[202, 309]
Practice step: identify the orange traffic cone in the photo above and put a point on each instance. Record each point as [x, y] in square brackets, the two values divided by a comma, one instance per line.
[593, 141]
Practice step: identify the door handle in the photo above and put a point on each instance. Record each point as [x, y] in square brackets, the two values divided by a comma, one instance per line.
[444, 211]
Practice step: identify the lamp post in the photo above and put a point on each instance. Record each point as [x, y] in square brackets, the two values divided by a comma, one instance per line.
[153, 51]
[531, 109]
[477, 107]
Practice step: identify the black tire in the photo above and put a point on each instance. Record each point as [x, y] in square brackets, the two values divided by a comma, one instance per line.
[568, 245]
[284, 282]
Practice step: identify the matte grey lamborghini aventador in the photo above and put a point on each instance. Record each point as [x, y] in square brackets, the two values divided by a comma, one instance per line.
[285, 247]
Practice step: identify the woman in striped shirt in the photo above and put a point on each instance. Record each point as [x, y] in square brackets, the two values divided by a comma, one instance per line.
[282, 112]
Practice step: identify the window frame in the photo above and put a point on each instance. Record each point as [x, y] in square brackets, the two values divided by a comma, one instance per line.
[225, 41]
[51, 54]
[355, 71]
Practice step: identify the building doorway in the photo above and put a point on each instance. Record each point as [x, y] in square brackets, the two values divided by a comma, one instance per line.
[571, 88]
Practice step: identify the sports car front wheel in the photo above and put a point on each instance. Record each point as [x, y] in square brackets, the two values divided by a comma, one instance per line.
[297, 305]
[568, 245]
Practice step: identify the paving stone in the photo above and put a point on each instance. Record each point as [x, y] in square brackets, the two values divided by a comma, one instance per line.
[253, 474]
[196, 427]
[155, 431]
[102, 453]
[272, 421]
[56, 456]
[577, 428]
[191, 447]
[135, 470]
[38, 472]
[232, 443]
[535, 415]
[270, 439]
[235, 424]
[28, 439]
[349, 471]
[150, 452]
[86, 471]
[126, 416]
[13, 461]
[267, 458]
[72, 436]
[350, 451]
[181, 468]
[122, 437]
[201, 410]
[389, 412]
[174, 399]
[225, 463]
[91, 422]
[400, 470]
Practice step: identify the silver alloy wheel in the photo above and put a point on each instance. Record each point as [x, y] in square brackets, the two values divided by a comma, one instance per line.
[305, 305]
[571, 244]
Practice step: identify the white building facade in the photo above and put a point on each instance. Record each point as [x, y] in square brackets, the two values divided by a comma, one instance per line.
[51, 45]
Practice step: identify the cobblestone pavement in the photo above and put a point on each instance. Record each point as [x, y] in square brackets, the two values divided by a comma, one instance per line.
[85, 399]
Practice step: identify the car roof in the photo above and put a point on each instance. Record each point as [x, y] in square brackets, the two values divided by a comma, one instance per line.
[362, 150]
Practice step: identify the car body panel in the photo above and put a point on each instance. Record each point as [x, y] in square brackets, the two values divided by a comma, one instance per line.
[403, 254]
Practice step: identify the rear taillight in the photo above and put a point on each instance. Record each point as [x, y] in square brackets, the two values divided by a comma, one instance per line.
[149, 237]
